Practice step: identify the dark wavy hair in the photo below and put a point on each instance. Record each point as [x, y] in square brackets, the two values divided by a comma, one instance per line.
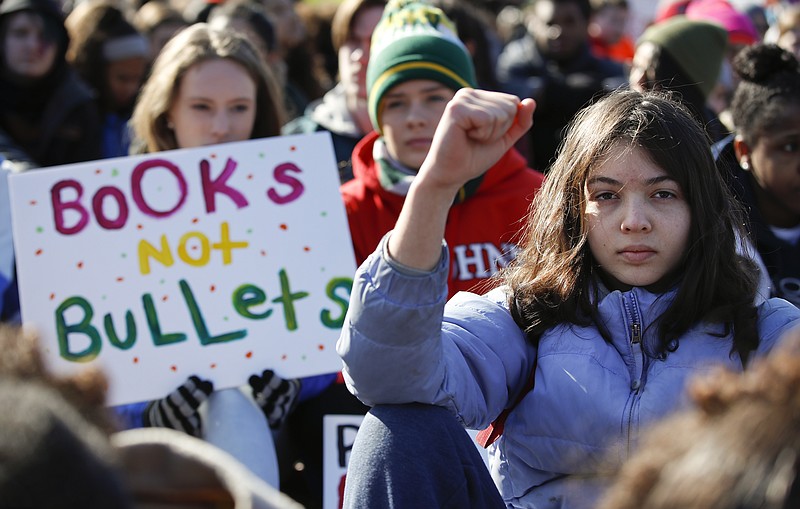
[553, 278]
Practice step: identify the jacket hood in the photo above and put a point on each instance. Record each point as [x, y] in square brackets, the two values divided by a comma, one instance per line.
[364, 168]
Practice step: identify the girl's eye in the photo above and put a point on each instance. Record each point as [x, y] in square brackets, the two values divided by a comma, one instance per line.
[200, 107]
[664, 194]
[604, 195]
[436, 98]
[241, 108]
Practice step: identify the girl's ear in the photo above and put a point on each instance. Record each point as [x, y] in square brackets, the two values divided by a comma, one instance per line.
[742, 150]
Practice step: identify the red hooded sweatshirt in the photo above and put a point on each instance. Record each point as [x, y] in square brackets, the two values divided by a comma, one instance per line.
[481, 232]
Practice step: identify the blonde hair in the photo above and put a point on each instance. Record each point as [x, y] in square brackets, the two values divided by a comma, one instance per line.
[195, 44]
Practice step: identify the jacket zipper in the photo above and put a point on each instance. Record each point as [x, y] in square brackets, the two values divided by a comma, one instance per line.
[632, 307]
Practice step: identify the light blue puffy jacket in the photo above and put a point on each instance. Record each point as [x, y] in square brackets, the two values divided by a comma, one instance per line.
[401, 344]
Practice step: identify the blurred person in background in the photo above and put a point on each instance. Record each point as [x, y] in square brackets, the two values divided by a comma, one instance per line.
[112, 57]
[553, 64]
[608, 31]
[762, 161]
[342, 111]
[685, 56]
[47, 114]
[158, 21]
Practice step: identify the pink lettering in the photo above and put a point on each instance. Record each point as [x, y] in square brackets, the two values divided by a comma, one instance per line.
[60, 206]
[281, 174]
[219, 185]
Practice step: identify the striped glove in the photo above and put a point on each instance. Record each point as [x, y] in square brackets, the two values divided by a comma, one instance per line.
[179, 409]
[275, 396]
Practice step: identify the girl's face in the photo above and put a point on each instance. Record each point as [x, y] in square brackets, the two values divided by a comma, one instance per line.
[124, 78]
[637, 217]
[215, 103]
[410, 113]
[774, 162]
[28, 51]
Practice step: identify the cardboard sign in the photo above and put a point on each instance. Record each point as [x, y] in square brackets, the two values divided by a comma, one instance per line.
[218, 261]
[339, 433]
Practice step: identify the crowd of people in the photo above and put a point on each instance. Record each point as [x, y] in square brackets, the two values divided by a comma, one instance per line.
[559, 222]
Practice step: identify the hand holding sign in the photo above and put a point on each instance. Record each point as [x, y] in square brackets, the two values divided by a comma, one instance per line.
[275, 396]
[179, 409]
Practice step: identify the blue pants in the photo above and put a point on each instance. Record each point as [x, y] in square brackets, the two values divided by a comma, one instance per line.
[416, 456]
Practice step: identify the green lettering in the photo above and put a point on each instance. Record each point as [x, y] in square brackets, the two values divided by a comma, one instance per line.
[83, 327]
[159, 338]
[130, 328]
[343, 302]
[248, 296]
[200, 324]
[287, 298]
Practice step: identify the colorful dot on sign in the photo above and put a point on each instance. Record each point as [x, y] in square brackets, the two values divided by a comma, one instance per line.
[139, 226]
[213, 156]
[323, 214]
[249, 230]
[292, 148]
[52, 296]
[321, 347]
[124, 255]
[303, 357]
[120, 279]
[195, 220]
[213, 365]
[38, 252]
[261, 155]
[136, 360]
[284, 357]
[250, 176]
[98, 171]
[80, 265]
[173, 367]
[39, 229]
[114, 172]
[283, 226]
[33, 202]
[263, 253]
[213, 288]
[306, 249]
[165, 298]
[249, 355]
[195, 247]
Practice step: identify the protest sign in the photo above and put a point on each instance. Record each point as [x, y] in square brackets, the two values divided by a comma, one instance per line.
[218, 261]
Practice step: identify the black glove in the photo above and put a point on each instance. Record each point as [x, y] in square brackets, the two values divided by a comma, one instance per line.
[179, 409]
[275, 396]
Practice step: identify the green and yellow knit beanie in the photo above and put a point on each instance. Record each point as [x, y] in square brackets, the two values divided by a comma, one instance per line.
[697, 46]
[414, 40]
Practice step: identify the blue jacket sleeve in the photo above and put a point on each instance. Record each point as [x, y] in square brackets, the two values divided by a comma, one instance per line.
[401, 344]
